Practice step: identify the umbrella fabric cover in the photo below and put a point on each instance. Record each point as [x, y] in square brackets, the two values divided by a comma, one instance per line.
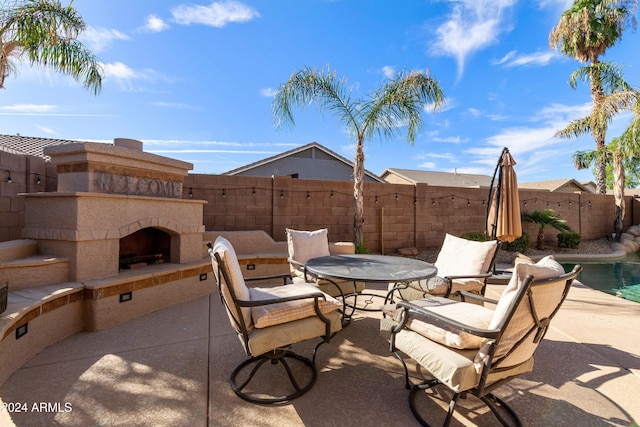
[505, 198]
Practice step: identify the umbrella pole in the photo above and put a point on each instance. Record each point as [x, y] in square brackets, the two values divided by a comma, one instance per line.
[498, 171]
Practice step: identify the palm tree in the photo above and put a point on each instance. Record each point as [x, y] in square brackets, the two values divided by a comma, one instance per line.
[627, 145]
[543, 219]
[398, 103]
[45, 33]
[619, 149]
[585, 31]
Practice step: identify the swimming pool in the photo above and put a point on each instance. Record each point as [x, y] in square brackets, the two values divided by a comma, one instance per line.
[617, 277]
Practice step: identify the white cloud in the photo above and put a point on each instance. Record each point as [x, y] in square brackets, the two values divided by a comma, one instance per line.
[505, 58]
[125, 76]
[471, 26]
[559, 115]
[120, 71]
[217, 14]
[428, 165]
[475, 112]
[28, 108]
[497, 117]
[513, 60]
[99, 38]
[174, 105]
[47, 130]
[388, 71]
[268, 92]
[561, 5]
[155, 24]
[451, 139]
[449, 104]
[535, 146]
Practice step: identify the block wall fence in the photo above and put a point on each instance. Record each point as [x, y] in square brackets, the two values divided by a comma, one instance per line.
[396, 215]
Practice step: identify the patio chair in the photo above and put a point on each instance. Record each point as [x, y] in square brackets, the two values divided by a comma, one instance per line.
[304, 245]
[473, 349]
[268, 322]
[462, 265]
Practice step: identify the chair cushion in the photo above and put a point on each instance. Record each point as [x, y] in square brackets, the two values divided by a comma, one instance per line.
[435, 285]
[304, 245]
[453, 367]
[262, 340]
[459, 257]
[275, 314]
[230, 260]
[470, 314]
[547, 298]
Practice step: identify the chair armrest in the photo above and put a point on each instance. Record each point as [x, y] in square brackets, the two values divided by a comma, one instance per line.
[450, 280]
[464, 295]
[295, 263]
[470, 276]
[408, 306]
[299, 265]
[283, 276]
[257, 303]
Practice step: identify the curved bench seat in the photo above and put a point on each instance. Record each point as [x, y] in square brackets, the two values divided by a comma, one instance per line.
[40, 316]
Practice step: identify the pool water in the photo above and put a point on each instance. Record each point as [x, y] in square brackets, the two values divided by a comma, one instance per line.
[620, 277]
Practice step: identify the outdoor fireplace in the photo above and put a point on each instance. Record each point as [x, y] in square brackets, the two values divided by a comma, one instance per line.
[116, 208]
[144, 247]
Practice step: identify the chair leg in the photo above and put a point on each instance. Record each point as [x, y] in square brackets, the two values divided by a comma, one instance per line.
[279, 357]
[315, 350]
[494, 402]
[415, 389]
[407, 382]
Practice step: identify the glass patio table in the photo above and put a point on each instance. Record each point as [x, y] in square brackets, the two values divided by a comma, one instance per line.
[369, 268]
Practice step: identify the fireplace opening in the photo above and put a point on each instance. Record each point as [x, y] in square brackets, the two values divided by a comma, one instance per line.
[144, 247]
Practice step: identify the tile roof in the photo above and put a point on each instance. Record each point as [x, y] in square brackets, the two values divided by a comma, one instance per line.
[33, 146]
[440, 179]
[555, 185]
[295, 151]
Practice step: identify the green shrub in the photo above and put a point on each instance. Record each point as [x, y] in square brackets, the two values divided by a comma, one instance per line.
[521, 244]
[569, 239]
[477, 236]
[361, 248]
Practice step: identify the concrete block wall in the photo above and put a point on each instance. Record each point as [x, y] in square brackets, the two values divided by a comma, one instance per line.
[25, 172]
[396, 215]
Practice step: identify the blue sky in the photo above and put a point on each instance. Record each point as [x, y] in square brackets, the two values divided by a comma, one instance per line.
[194, 81]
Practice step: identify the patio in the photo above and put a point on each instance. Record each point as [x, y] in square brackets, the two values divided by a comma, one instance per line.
[170, 368]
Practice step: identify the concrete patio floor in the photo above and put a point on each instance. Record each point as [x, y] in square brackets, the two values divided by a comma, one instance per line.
[171, 368]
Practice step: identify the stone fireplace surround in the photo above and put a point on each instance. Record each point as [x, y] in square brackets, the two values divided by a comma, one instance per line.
[105, 193]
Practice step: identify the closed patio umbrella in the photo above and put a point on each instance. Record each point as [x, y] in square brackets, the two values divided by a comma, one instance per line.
[503, 209]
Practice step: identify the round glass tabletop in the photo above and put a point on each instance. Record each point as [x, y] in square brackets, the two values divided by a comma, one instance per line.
[372, 268]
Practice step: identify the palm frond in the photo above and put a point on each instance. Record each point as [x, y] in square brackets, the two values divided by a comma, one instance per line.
[46, 33]
[589, 27]
[584, 159]
[399, 103]
[322, 88]
[546, 218]
[576, 128]
[608, 74]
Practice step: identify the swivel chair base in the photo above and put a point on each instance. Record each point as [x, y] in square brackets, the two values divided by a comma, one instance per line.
[281, 358]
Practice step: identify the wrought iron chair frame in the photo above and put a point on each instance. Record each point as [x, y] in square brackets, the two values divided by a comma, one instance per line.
[483, 390]
[275, 356]
[389, 299]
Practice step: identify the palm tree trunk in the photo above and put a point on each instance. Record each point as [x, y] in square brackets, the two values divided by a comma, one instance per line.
[540, 239]
[599, 133]
[618, 193]
[358, 196]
